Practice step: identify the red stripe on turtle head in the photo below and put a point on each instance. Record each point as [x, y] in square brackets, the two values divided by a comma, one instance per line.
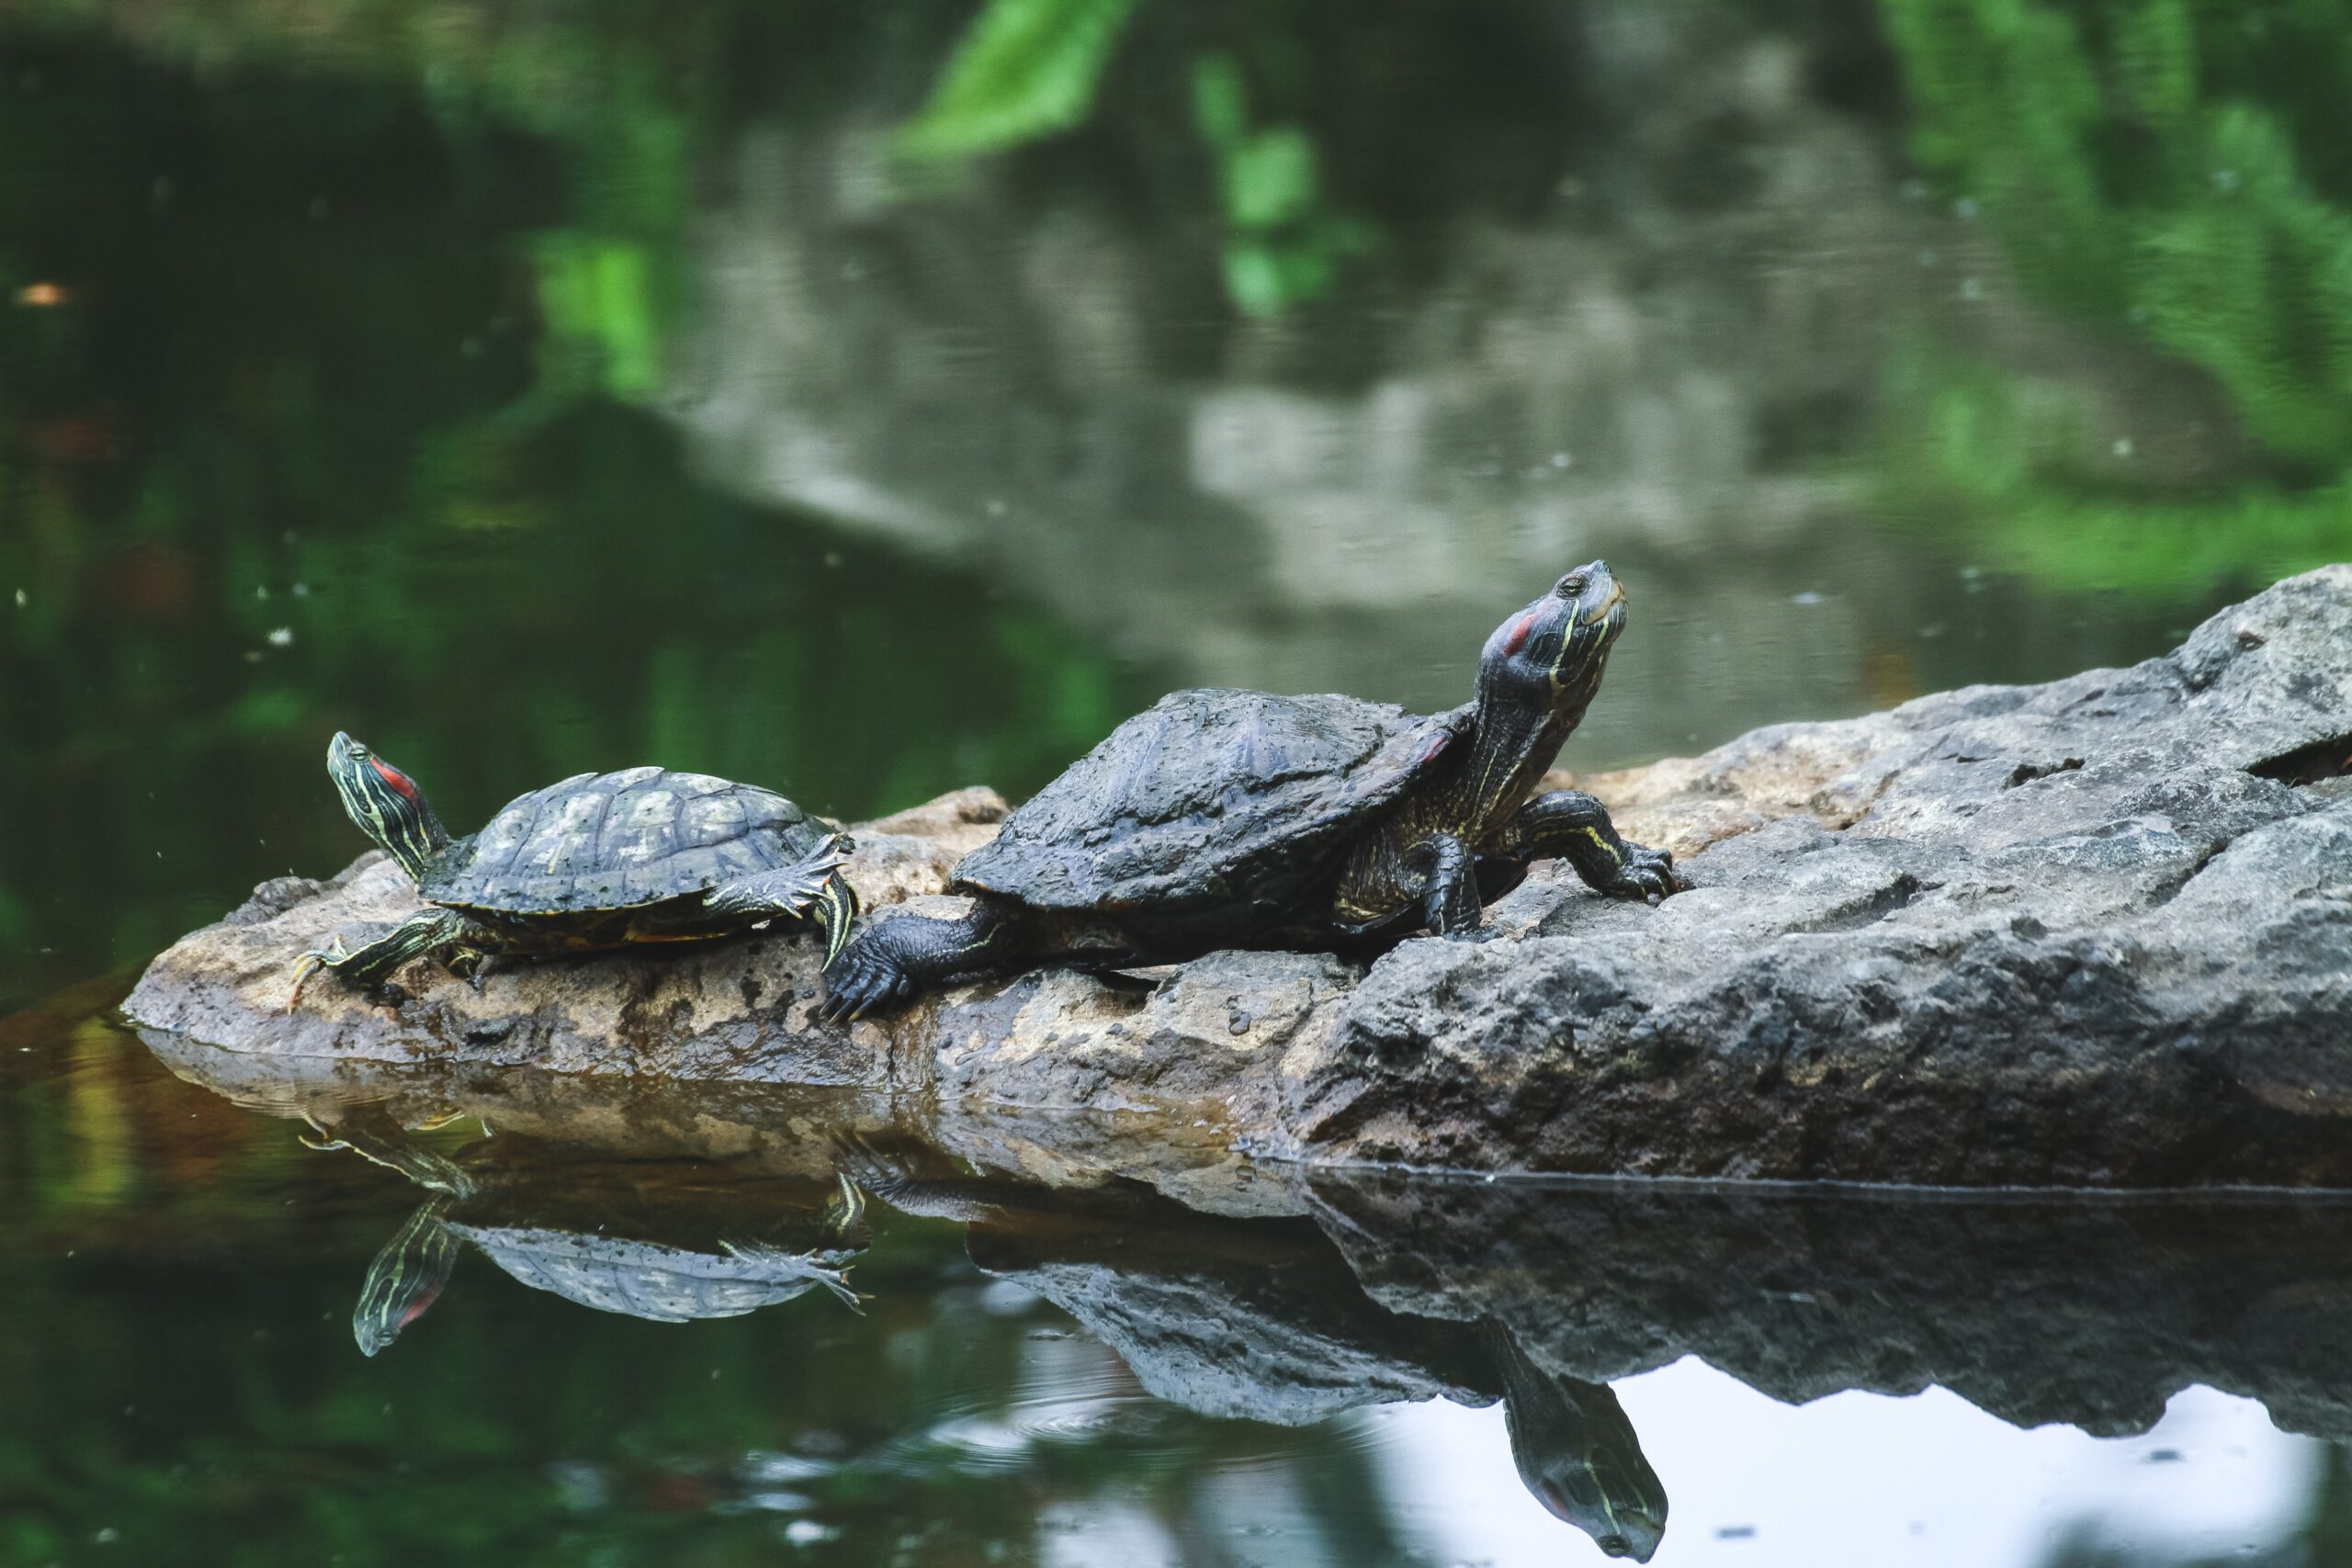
[394, 777]
[1517, 638]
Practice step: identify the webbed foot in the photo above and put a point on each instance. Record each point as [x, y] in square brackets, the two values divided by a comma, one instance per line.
[1647, 874]
[374, 964]
[809, 1265]
[867, 977]
[888, 966]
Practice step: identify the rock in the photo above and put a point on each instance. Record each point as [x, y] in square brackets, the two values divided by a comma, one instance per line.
[2093, 932]
[2080, 933]
[2034, 1310]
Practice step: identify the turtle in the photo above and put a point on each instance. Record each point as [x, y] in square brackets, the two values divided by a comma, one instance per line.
[1577, 1452]
[662, 1281]
[1239, 818]
[607, 1240]
[595, 860]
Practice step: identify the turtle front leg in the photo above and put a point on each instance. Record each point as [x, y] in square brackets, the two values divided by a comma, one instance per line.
[811, 889]
[1568, 824]
[419, 935]
[1450, 902]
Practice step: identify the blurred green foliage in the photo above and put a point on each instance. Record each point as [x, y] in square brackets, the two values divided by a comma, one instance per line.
[344, 419]
[601, 320]
[2176, 171]
[1024, 69]
[2179, 167]
[1028, 69]
[338, 432]
[1284, 244]
[2001, 453]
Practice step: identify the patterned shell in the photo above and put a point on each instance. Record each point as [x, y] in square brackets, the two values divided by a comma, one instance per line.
[601, 841]
[648, 1279]
[1208, 800]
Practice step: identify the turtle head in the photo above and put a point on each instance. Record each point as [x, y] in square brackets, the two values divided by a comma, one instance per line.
[386, 805]
[1577, 1452]
[1613, 1495]
[1549, 655]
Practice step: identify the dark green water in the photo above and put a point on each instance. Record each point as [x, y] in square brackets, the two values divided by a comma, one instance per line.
[534, 391]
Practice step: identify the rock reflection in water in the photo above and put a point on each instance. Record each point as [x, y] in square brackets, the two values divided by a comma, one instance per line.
[1306, 1299]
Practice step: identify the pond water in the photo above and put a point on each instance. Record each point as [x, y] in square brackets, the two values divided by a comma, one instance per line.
[375, 1316]
[529, 391]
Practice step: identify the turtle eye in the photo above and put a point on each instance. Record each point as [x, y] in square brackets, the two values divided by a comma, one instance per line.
[1572, 586]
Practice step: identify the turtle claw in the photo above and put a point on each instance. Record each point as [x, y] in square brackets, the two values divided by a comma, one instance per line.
[1647, 875]
[310, 963]
[858, 983]
[470, 965]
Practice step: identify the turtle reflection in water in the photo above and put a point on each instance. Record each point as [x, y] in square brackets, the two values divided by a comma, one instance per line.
[1223, 819]
[595, 860]
[660, 1281]
[1576, 1451]
[637, 1278]
[1574, 1446]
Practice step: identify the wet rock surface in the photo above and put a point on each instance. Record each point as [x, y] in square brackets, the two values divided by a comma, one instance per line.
[2093, 932]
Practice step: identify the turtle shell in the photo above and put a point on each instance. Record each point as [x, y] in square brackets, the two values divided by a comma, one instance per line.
[651, 1280]
[600, 842]
[1209, 802]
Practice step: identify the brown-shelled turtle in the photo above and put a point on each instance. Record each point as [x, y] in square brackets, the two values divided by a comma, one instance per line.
[1236, 819]
[597, 861]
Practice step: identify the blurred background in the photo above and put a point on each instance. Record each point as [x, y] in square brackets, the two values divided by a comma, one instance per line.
[868, 400]
[871, 400]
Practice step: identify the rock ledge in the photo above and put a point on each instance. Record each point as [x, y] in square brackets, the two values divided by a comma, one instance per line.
[2097, 932]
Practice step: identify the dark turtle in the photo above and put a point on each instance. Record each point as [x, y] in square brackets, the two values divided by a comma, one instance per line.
[1232, 819]
[600, 860]
[1577, 1452]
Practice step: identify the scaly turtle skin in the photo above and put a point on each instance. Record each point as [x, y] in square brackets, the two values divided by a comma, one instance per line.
[1576, 1451]
[1227, 819]
[600, 860]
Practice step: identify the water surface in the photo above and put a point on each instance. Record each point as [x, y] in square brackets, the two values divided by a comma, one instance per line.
[385, 1315]
[533, 391]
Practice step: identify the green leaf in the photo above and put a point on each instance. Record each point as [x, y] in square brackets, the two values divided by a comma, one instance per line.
[1024, 69]
[599, 292]
[1253, 277]
[1270, 178]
